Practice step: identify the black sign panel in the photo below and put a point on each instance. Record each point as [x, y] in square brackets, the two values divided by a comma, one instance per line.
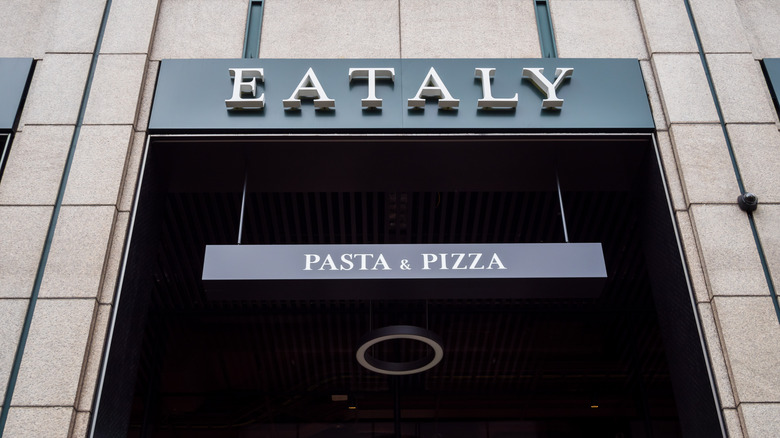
[596, 95]
[404, 271]
[14, 74]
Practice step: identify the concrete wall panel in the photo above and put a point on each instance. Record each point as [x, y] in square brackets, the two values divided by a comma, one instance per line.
[332, 29]
[468, 29]
[200, 29]
[597, 29]
[23, 230]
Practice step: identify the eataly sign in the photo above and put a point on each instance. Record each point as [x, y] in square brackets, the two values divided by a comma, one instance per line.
[245, 89]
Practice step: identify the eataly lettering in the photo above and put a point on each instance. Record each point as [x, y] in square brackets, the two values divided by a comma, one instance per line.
[245, 96]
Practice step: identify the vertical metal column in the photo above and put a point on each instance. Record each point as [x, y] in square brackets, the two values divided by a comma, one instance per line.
[546, 33]
[563, 214]
[254, 21]
[243, 204]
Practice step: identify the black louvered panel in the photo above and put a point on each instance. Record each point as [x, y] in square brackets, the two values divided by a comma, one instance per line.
[279, 359]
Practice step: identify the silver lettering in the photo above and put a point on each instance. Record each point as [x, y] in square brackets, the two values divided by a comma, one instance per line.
[328, 262]
[371, 74]
[475, 259]
[381, 261]
[443, 258]
[432, 86]
[488, 101]
[362, 258]
[458, 260]
[242, 88]
[541, 82]
[346, 260]
[309, 87]
[495, 261]
[311, 259]
[427, 259]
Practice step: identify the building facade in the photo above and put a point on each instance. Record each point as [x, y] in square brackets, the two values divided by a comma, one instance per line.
[99, 337]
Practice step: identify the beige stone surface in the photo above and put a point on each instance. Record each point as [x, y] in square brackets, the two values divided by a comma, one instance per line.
[684, 90]
[692, 258]
[467, 29]
[597, 29]
[715, 352]
[729, 255]
[147, 94]
[75, 26]
[48, 101]
[767, 218]
[98, 165]
[75, 264]
[34, 168]
[94, 354]
[129, 27]
[669, 162]
[201, 29]
[761, 419]
[758, 155]
[742, 90]
[333, 29]
[132, 170]
[733, 423]
[115, 253]
[720, 28]
[38, 422]
[705, 166]
[667, 26]
[751, 335]
[759, 19]
[54, 354]
[80, 425]
[21, 22]
[23, 231]
[659, 118]
[116, 88]
[12, 311]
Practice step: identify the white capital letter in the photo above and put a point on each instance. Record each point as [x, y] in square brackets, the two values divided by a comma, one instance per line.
[496, 261]
[309, 87]
[241, 87]
[432, 86]
[310, 259]
[427, 259]
[488, 101]
[371, 74]
[541, 82]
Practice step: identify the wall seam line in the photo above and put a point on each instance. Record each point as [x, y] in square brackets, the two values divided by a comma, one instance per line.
[12, 378]
[734, 164]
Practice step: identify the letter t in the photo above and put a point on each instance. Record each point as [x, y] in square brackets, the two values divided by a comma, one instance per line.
[371, 74]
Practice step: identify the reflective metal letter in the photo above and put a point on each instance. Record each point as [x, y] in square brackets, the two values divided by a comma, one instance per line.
[432, 86]
[309, 87]
[488, 101]
[541, 82]
[241, 87]
[371, 74]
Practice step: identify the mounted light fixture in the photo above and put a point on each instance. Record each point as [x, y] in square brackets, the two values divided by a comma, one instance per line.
[400, 332]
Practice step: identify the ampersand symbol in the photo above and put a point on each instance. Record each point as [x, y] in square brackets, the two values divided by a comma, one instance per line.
[405, 265]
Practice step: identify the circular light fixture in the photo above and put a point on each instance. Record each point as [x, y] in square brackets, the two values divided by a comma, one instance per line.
[400, 332]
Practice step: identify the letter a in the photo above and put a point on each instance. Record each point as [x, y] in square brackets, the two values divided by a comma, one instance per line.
[309, 87]
[432, 86]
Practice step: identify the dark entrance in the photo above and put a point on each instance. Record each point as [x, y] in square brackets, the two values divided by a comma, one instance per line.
[627, 363]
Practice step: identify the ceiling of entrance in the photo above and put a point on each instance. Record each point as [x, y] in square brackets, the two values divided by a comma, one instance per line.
[209, 364]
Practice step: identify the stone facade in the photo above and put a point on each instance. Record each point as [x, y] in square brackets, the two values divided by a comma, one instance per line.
[54, 391]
